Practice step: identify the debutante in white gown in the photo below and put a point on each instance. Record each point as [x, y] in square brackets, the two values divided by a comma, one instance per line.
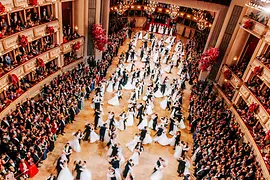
[163, 104]
[93, 136]
[163, 139]
[149, 110]
[130, 118]
[135, 158]
[178, 151]
[75, 145]
[110, 87]
[65, 174]
[129, 85]
[158, 175]
[158, 93]
[143, 123]
[121, 125]
[148, 139]
[114, 101]
[131, 145]
[85, 174]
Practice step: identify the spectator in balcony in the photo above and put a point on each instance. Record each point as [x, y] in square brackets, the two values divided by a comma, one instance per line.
[3, 23]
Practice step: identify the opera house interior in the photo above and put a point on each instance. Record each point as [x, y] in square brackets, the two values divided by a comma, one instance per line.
[135, 89]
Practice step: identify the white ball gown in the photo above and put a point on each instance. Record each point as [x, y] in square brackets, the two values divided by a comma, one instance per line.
[178, 151]
[93, 136]
[143, 123]
[131, 145]
[135, 158]
[110, 87]
[75, 144]
[148, 139]
[129, 85]
[158, 175]
[158, 93]
[163, 104]
[163, 139]
[149, 110]
[114, 101]
[121, 125]
[85, 174]
[65, 174]
[130, 118]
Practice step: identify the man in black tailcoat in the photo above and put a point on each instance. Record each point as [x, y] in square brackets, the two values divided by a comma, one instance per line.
[87, 132]
[128, 166]
[143, 133]
[67, 151]
[140, 110]
[78, 170]
[102, 131]
[97, 116]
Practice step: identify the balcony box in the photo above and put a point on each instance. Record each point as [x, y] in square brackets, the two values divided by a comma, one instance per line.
[55, 52]
[10, 42]
[28, 33]
[258, 28]
[244, 91]
[8, 4]
[40, 31]
[20, 3]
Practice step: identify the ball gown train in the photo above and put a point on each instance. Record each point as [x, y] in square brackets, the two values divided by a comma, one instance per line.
[65, 174]
[85, 174]
[75, 145]
[131, 145]
[114, 101]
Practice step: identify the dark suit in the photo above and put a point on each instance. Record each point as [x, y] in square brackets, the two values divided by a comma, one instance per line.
[126, 170]
[102, 132]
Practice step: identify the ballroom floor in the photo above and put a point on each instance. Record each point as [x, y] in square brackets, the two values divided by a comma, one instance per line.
[95, 154]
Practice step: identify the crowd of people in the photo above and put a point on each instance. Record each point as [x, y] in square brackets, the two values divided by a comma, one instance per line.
[217, 137]
[260, 89]
[29, 132]
[17, 24]
[16, 90]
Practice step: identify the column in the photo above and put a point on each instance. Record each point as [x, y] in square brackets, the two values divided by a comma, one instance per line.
[60, 61]
[237, 47]
[106, 15]
[98, 54]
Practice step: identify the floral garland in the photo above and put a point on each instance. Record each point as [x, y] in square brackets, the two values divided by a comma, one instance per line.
[227, 74]
[208, 59]
[99, 37]
[253, 107]
[23, 40]
[258, 70]
[50, 30]
[13, 78]
[33, 2]
[76, 46]
[2, 8]
[248, 24]
[40, 62]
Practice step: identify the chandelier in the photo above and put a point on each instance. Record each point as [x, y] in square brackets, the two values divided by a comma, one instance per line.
[151, 7]
[261, 5]
[173, 11]
[123, 6]
[200, 17]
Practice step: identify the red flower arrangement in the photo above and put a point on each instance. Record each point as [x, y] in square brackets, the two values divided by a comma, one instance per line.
[253, 107]
[248, 24]
[23, 40]
[76, 46]
[208, 58]
[33, 2]
[40, 62]
[99, 37]
[2, 8]
[257, 70]
[50, 30]
[14, 78]
[227, 74]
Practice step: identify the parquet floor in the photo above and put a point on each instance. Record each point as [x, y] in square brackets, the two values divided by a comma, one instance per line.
[95, 154]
